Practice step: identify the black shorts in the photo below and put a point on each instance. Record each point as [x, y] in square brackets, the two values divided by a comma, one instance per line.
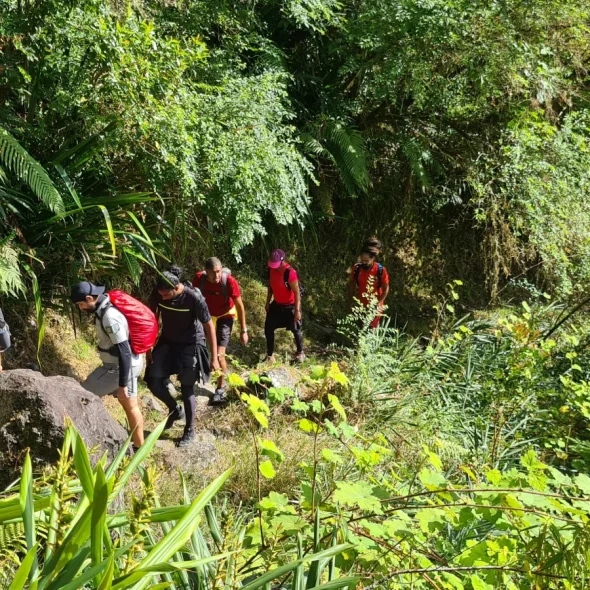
[282, 316]
[189, 361]
[223, 330]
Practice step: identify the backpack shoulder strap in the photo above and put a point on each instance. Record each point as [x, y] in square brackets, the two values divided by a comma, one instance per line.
[224, 277]
[202, 282]
[379, 275]
[286, 274]
[357, 270]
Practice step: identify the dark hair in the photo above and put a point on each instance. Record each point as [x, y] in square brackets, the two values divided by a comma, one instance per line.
[169, 279]
[372, 247]
[212, 262]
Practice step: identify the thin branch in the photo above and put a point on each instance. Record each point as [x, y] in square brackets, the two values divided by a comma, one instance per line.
[482, 491]
[465, 568]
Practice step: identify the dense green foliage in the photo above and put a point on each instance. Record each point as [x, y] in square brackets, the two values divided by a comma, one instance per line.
[400, 117]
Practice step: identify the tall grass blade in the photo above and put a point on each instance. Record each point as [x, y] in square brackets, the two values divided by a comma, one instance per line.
[139, 456]
[99, 515]
[25, 569]
[83, 467]
[183, 529]
[27, 507]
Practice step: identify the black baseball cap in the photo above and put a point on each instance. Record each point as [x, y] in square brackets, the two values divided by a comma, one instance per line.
[83, 289]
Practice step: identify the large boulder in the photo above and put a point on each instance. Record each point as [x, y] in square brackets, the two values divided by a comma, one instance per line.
[33, 411]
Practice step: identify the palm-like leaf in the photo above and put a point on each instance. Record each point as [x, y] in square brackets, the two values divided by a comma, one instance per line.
[16, 159]
[11, 280]
[345, 148]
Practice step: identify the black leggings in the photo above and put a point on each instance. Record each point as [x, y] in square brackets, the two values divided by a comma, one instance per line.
[158, 388]
[281, 316]
[190, 362]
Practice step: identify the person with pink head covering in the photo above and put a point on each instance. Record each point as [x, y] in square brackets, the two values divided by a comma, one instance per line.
[283, 304]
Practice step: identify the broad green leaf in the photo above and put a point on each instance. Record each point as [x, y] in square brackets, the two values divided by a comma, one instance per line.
[308, 426]
[318, 372]
[335, 402]
[337, 375]
[269, 449]
[479, 584]
[432, 480]
[332, 457]
[582, 481]
[267, 469]
[235, 381]
[358, 494]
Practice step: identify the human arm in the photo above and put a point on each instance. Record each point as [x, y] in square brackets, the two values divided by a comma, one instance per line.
[384, 294]
[351, 290]
[297, 292]
[268, 298]
[212, 342]
[242, 318]
[201, 313]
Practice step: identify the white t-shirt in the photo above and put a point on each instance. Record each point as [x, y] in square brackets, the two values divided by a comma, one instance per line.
[116, 331]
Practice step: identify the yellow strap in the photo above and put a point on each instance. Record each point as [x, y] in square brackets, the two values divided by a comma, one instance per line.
[172, 308]
[232, 313]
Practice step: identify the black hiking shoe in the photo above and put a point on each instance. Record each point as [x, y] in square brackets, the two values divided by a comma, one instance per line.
[188, 437]
[219, 397]
[176, 414]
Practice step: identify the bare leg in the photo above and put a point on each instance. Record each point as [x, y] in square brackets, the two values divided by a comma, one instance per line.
[134, 417]
[223, 365]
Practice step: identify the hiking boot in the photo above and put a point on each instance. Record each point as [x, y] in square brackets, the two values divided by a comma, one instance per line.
[219, 397]
[299, 357]
[176, 414]
[188, 437]
[270, 359]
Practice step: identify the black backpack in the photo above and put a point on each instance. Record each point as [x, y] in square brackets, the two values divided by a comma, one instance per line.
[286, 279]
[225, 272]
[357, 270]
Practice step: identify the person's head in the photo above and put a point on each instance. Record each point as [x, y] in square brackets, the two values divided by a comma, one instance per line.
[169, 282]
[213, 269]
[369, 252]
[277, 259]
[85, 296]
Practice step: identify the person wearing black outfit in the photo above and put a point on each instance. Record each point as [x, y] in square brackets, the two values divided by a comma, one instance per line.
[181, 347]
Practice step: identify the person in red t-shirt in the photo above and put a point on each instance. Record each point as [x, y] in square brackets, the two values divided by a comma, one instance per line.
[369, 279]
[224, 308]
[283, 304]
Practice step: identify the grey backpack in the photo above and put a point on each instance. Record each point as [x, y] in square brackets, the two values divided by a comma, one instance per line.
[225, 272]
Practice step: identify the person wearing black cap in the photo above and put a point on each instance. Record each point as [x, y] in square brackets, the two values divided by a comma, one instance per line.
[181, 348]
[121, 367]
[283, 304]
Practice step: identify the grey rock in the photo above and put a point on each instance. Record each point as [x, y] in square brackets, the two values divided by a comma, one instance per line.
[281, 377]
[151, 403]
[33, 412]
[196, 457]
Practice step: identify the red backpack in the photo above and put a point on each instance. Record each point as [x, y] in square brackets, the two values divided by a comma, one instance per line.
[143, 324]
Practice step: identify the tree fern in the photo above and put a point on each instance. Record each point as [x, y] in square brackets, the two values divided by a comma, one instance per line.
[11, 281]
[16, 159]
[345, 148]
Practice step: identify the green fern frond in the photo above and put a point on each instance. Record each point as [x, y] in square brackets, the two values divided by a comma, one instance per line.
[11, 280]
[345, 147]
[418, 158]
[16, 159]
